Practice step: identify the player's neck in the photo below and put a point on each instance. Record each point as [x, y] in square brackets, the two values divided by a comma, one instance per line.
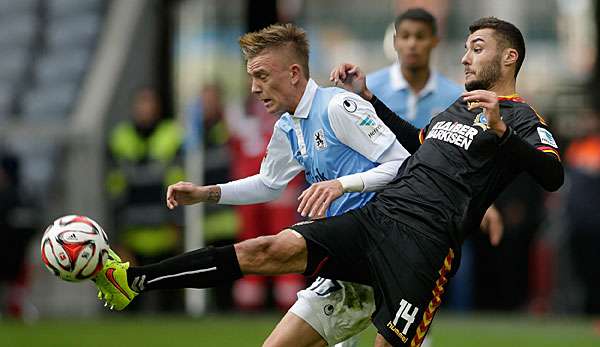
[505, 87]
[300, 88]
[416, 78]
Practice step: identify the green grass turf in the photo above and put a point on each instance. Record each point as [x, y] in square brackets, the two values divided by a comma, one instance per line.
[117, 330]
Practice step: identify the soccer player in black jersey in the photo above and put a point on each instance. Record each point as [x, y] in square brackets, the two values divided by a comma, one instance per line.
[406, 242]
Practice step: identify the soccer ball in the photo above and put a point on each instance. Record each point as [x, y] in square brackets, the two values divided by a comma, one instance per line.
[74, 248]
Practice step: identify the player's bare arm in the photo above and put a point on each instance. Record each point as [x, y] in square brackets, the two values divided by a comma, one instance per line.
[187, 193]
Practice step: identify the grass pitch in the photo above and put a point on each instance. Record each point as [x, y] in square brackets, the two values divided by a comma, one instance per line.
[117, 330]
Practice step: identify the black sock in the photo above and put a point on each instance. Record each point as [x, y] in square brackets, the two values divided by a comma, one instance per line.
[202, 268]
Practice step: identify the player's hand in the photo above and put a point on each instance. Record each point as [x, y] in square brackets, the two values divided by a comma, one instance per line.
[493, 225]
[488, 101]
[185, 193]
[351, 78]
[315, 200]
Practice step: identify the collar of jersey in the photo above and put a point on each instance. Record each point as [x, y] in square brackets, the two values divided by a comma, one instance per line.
[398, 82]
[306, 101]
[513, 97]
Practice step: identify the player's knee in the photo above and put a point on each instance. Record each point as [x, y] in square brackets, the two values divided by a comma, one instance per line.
[287, 247]
[290, 247]
[253, 252]
[281, 253]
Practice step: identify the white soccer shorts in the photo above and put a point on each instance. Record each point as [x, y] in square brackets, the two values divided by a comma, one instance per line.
[337, 310]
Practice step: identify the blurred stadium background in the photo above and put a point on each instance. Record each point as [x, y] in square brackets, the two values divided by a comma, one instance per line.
[73, 70]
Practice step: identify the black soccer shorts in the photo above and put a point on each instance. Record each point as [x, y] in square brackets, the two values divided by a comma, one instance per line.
[408, 270]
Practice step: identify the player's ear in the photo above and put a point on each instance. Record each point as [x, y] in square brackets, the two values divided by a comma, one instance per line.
[295, 73]
[510, 56]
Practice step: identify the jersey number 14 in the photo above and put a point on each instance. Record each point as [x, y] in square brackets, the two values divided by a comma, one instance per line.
[404, 313]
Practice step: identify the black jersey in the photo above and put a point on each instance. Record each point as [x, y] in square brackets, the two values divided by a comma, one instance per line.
[459, 168]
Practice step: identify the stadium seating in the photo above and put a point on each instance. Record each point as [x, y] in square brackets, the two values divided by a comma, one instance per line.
[77, 31]
[6, 99]
[11, 7]
[46, 48]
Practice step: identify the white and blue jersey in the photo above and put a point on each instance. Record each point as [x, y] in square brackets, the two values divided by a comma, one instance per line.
[333, 133]
[393, 90]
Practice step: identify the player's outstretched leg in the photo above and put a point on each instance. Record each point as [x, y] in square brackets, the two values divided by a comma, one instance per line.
[203, 268]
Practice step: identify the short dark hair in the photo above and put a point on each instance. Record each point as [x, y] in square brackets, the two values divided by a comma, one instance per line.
[509, 35]
[417, 14]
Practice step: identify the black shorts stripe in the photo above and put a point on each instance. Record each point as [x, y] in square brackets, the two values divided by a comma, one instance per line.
[435, 302]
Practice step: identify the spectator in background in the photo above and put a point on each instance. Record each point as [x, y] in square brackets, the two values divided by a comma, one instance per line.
[234, 143]
[144, 158]
[583, 215]
[206, 126]
[207, 133]
[17, 225]
[251, 132]
[410, 87]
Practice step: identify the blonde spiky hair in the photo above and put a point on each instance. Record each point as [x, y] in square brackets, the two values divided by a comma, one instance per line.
[277, 36]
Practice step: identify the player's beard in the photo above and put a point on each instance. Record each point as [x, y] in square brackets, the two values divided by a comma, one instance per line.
[488, 76]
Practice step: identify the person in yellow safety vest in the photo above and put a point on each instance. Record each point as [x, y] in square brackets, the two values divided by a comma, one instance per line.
[145, 158]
